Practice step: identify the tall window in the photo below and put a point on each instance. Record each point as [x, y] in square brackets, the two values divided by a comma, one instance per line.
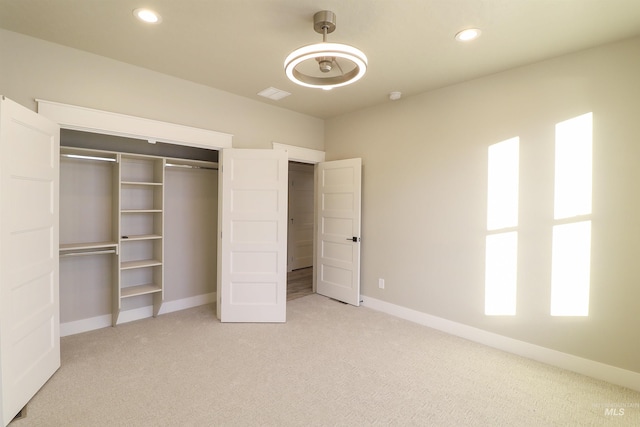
[571, 247]
[502, 221]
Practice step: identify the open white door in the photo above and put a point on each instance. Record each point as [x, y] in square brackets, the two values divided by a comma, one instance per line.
[252, 255]
[337, 264]
[29, 297]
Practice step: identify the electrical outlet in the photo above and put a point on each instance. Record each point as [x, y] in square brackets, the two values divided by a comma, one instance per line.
[381, 283]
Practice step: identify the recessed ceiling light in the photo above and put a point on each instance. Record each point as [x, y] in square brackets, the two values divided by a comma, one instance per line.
[468, 34]
[147, 15]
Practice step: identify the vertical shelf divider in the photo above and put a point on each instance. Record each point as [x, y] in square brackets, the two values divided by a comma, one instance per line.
[116, 305]
[141, 230]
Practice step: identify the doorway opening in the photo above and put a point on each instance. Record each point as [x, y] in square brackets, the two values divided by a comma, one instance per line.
[300, 230]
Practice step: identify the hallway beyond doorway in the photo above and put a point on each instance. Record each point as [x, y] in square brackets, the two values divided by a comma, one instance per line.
[299, 283]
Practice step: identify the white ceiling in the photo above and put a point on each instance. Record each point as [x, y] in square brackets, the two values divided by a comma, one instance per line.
[239, 45]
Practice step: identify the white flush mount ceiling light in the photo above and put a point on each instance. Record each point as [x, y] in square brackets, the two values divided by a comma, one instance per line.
[325, 65]
[147, 15]
[468, 34]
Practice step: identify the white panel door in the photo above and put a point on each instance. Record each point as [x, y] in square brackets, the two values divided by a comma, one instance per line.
[252, 281]
[29, 298]
[338, 221]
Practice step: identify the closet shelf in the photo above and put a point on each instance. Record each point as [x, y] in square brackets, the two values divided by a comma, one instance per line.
[128, 265]
[68, 247]
[125, 211]
[83, 253]
[141, 237]
[141, 183]
[88, 248]
[133, 291]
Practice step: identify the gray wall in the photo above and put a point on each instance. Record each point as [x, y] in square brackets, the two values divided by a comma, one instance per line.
[424, 197]
[33, 68]
[191, 218]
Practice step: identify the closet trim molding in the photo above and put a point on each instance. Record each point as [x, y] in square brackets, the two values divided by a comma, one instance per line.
[300, 154]
[97, 121]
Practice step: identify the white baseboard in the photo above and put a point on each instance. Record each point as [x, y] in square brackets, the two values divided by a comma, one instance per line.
[566, 361]
[84, 325]
[184, 303]
[92, 323]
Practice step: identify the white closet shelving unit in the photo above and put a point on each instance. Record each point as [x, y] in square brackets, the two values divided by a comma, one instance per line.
[141, 225]
[132, 233]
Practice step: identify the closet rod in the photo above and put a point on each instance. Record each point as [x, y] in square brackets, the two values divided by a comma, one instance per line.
[83, 157]
[112, 251]
[190, 166]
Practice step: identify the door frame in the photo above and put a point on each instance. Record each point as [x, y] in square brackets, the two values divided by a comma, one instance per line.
[307, 172]
[309, 156]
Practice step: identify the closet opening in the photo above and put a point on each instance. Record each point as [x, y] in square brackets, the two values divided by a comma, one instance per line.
[125, 169]
[138, 229]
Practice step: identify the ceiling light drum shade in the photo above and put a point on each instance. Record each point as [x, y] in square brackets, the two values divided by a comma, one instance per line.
[352, 67]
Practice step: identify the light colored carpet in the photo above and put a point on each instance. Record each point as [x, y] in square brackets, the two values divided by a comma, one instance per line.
[330, 365]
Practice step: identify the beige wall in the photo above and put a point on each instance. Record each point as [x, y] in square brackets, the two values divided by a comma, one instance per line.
[32, 68]
[424, 197]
